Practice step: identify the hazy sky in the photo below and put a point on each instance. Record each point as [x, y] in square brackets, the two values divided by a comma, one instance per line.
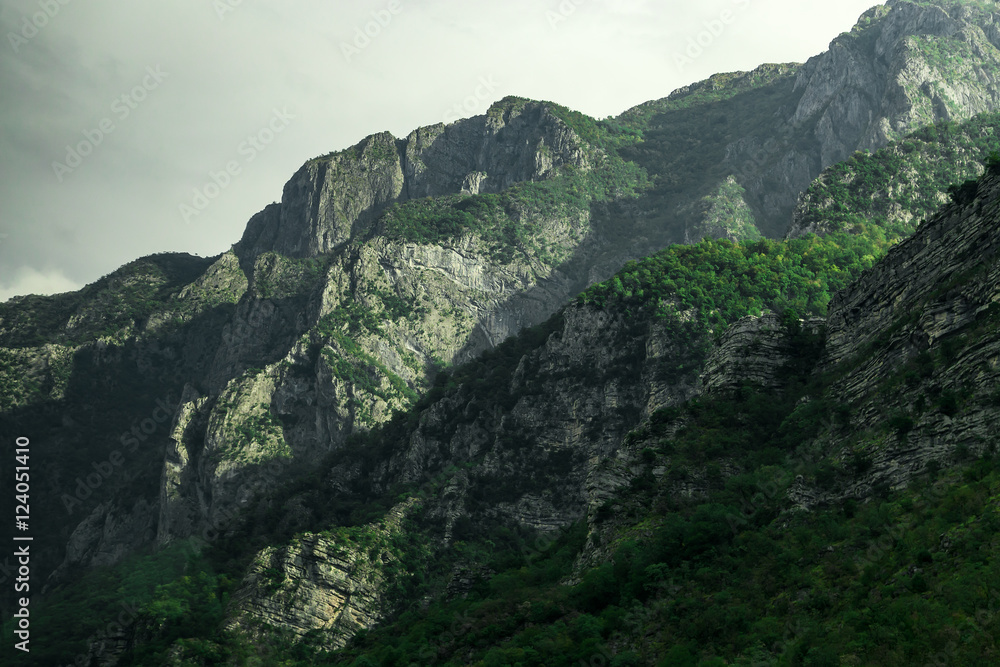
[115, 115]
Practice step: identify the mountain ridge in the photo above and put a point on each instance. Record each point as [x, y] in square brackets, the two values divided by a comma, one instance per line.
[359, 308]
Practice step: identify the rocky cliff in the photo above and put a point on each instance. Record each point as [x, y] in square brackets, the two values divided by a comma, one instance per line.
[356, 333]
[901, 375]
[337, 198]
[903, 66]
[912, 346]
[350, 236]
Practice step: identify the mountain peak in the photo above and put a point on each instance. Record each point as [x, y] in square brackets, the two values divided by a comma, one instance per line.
[336, 198]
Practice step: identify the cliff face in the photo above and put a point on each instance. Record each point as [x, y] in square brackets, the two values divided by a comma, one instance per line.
[912, 343]
[337, 324]
[534, 442]
[225, 379]
[904, 65]
[337, 198]
[908, 358]
[330, 585]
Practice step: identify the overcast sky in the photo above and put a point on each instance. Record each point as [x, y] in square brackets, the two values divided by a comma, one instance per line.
[115, 115]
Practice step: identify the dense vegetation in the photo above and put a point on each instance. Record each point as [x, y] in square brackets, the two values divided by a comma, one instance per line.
[721, 281]
[721, 582]
[708, 564]
[120, 301]
[884, 194]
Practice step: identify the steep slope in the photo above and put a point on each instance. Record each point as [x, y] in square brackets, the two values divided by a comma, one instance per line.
[898, 186]
[220, 382]
[512, 254]
[677, 431]
[101, 371]
[904, 65]
[337, 198]
[412, 285]
[697, 500]
[346, 321]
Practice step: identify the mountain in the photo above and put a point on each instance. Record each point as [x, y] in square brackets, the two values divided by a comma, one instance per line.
[492, 367]
[820, 485]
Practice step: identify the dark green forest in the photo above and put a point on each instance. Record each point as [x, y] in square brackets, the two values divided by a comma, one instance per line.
[732, 541]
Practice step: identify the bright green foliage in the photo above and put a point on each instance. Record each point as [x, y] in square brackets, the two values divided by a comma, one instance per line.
[182, 609]
[866, 193]
[434, 218]
[947, 55]
[719, 281]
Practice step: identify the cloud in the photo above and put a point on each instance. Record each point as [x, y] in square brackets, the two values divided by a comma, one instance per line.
[27, 280]
[227, 73]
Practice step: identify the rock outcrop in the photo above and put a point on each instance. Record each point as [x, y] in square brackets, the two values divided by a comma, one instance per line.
[325, 320]
[331, 586]
[752, 352]
[337, 198]
[904, 65]
[912, 344]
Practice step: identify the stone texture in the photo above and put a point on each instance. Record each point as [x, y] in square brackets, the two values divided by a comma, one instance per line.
[336, 198]
[750, 352]
[335, 587]
[874, 84]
